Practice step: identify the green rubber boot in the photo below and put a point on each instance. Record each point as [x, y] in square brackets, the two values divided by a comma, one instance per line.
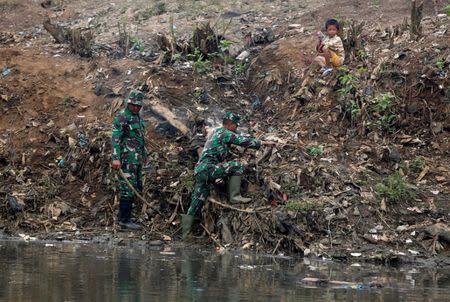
[234, 190]
[186, 224]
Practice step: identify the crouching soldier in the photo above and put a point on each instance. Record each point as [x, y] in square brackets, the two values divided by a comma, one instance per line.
[129, 154]
[213, 165]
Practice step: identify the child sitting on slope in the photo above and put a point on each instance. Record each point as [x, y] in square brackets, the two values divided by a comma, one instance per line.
[330, 48]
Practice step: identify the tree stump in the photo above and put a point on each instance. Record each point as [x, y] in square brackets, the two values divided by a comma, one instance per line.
[205, 40]
[416, 19]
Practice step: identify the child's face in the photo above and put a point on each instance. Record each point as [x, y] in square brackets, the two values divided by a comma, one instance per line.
[332, 30]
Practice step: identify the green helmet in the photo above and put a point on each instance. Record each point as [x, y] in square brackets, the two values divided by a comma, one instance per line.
[135, 97]
[230, 116]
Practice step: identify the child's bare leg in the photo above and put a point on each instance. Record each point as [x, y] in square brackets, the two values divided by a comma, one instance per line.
[327, 56]
[320, 60]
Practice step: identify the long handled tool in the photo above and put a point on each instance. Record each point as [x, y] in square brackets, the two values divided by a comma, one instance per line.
[122, 174]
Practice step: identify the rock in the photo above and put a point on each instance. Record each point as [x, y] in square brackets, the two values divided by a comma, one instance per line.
[391, 154]
[101, 89]
[401, 228]
[356, 212]
[155, 243]
[294, 26]
[243, 55]
[439, 229]
[16, 204]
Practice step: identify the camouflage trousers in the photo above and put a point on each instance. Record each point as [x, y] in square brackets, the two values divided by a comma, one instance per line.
[205, 177]
[133, 172]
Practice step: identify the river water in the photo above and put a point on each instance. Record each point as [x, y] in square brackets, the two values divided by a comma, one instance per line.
[39, 271]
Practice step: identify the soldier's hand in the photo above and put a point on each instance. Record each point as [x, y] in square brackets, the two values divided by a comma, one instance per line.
[116, 164]
[268, 143]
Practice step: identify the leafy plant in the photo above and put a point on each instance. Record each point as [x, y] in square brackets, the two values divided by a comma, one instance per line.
[355, 109]
[416, 165]
[345, 77]
[440, 65]
[384, 122]
[69, 102]
[240, 69]
[159, 8]
[176, 57]
[384, 102]
[395, 189]
[315, 150]
[361, 54]
[137, 44]
[301, 205]
[382, 110]
[224, 45]
[347, 81]
[200, 65]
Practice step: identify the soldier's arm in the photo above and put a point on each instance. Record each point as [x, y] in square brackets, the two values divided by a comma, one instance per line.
[239, 140]
[116, 137]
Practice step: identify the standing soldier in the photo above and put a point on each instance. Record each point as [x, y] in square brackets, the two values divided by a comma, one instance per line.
[212, 165]
[129, 154]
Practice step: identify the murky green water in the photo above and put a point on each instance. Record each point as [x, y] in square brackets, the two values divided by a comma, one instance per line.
[32, 271]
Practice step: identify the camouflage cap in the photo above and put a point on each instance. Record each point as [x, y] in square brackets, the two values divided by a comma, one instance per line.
[230, 116]
[135, 97]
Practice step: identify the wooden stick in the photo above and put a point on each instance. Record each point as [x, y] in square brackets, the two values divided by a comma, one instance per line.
[122, 174]
[238, 209]
[210, 236]
[276, 247]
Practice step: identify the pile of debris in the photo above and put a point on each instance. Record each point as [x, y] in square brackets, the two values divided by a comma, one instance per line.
[360, 168]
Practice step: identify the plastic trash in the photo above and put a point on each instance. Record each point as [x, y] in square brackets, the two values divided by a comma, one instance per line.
[6, 71]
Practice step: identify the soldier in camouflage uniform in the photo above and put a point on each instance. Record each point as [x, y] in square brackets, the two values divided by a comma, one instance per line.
[213, 165]
[129, 154]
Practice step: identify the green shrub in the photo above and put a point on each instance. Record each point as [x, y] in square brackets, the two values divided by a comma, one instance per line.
[240, 68]
[416, 165]
[159, 8]
[395, 189]
[69, 102]
[315, 150]
[301, 205]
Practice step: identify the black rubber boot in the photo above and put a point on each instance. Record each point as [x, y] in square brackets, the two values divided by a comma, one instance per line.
[125, 207]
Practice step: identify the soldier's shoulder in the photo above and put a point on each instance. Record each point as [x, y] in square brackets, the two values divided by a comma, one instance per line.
[122, 116]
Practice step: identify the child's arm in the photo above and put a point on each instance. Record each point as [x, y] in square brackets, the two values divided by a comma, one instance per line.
[319, 45]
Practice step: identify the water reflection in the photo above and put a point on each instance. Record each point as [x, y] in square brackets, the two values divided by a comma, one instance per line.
[88, 272]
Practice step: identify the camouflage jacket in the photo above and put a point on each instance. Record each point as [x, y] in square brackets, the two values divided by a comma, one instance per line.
[217, 147]
[128, 133]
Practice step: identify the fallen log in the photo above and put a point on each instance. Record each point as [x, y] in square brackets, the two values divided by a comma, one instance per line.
[168, 115]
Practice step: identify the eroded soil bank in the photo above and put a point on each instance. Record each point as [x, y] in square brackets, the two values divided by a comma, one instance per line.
[361, 169]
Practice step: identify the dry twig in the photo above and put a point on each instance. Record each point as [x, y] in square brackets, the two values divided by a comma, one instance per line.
[247, 210]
